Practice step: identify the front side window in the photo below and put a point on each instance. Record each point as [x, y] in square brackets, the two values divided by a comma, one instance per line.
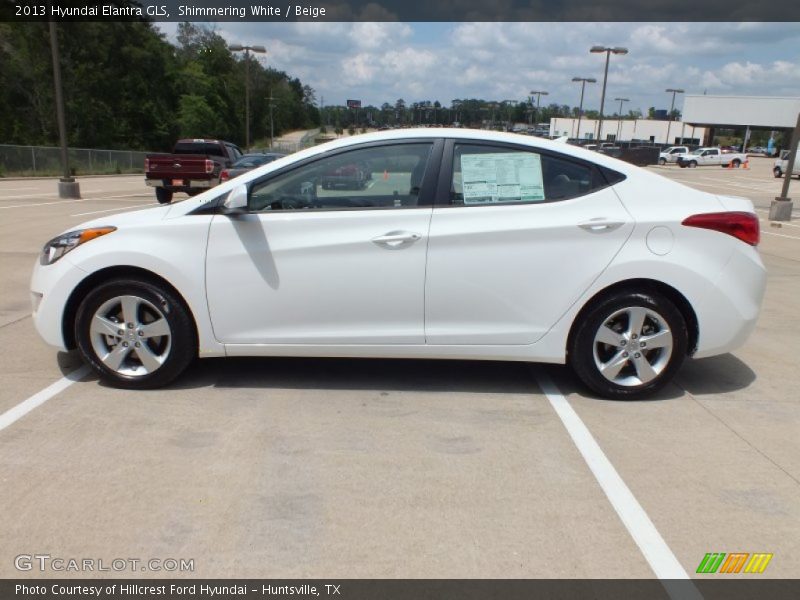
[492, 175]
[387, 176]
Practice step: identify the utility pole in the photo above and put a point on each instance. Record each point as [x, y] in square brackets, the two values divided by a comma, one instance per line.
[781, 207]
[608, 51]
[270, 99]
[672, 108]
[247, 49]
[584, 81]
[67, 186]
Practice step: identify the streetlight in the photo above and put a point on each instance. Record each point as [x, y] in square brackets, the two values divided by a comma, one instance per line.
[671, 108]
[538, 100]
[584, 81]
[67, 186]
[619, 123]
[247, 50]
[608, 50]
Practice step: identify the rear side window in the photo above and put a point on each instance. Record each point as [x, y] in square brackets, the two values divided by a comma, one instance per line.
[498, 175]
[198, 148]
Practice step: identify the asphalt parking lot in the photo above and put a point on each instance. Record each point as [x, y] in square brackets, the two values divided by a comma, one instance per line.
[384, 469]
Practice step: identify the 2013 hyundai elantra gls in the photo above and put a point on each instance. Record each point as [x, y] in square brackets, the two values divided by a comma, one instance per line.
[460, 244]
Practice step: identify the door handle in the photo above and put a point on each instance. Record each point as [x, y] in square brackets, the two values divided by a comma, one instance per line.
[396, 239]
[600, 226]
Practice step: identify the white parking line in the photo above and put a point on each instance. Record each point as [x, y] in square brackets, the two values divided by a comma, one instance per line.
[94, 212]
[23, 408]
[140, 195]
[644, 533]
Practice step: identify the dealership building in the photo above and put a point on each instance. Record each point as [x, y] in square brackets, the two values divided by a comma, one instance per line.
[646, 130]
[702, 117]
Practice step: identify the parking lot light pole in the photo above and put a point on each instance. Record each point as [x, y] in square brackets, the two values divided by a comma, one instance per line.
[538, 95]
[67, 186]
[584, 81]
[781, 207]
[671, 108]
[247, 50]
[609, 51]
[619, 123]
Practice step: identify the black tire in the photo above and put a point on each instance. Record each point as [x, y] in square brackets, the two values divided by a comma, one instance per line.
[587, 354]
[682, 165]
[174, 350]
[736, 163]
[662, 161]
[692, 164]
[777, 173]
[163, 195]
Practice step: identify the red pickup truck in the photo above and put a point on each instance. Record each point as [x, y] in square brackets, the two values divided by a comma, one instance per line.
[193, 167]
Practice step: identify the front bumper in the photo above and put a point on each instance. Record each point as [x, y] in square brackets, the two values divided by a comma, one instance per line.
[51, 287]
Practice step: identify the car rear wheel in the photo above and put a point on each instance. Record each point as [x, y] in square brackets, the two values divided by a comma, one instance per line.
[777, 173]
[135, 334]
[163, 195]
[736, 163]
[629, 345]
[662, 161]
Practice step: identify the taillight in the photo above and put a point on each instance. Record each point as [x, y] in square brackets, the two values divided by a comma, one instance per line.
[224, 176]
[741, 225]
[146, 165]
[209, 166]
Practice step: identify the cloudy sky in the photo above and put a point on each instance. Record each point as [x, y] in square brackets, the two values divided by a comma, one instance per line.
[381, 62]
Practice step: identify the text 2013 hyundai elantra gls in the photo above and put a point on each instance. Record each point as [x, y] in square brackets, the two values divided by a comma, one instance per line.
[460, 244]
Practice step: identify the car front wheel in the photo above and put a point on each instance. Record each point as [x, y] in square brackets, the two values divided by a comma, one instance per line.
[135, 334]
[629, 345]
[662, 161]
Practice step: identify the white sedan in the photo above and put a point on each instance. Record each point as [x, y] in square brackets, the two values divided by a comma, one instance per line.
[456, 244]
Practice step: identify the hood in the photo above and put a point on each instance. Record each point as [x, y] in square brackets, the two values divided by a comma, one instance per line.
[146, 215]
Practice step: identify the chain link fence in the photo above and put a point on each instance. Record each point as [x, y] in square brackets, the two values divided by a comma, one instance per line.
[28, 161]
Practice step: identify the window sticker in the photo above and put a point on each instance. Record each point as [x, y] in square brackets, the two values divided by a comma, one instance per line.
[502, 177]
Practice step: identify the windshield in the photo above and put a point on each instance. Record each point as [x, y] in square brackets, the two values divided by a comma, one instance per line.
[252, 161]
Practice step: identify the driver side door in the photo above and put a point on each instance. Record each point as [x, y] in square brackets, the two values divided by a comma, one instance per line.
[330, 252]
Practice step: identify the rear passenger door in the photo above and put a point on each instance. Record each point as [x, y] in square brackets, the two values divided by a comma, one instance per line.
[517, 236]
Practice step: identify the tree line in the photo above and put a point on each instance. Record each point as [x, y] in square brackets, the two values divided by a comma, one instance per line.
[467, 112]
[127, 87]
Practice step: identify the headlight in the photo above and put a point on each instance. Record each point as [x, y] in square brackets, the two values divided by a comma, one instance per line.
[59, 246]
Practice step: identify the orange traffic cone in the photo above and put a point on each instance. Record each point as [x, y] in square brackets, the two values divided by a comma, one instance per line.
[746, 164]
[385, 174]
[730, 165]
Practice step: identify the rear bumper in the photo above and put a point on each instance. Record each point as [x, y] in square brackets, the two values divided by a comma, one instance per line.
[185, 183]
[728, 312]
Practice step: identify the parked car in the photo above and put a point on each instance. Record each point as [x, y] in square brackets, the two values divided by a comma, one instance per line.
[728, 149]
[248, 162]
[702, 157]
[782, 164]
[354, 176]
[194, 166]
[670, 155]
[474, 245]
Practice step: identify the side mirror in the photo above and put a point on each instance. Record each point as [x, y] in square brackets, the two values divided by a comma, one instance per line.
[236, 202]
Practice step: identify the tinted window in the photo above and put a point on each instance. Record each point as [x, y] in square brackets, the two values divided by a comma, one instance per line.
[198, 148]
[378, 177]
[493, 175]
